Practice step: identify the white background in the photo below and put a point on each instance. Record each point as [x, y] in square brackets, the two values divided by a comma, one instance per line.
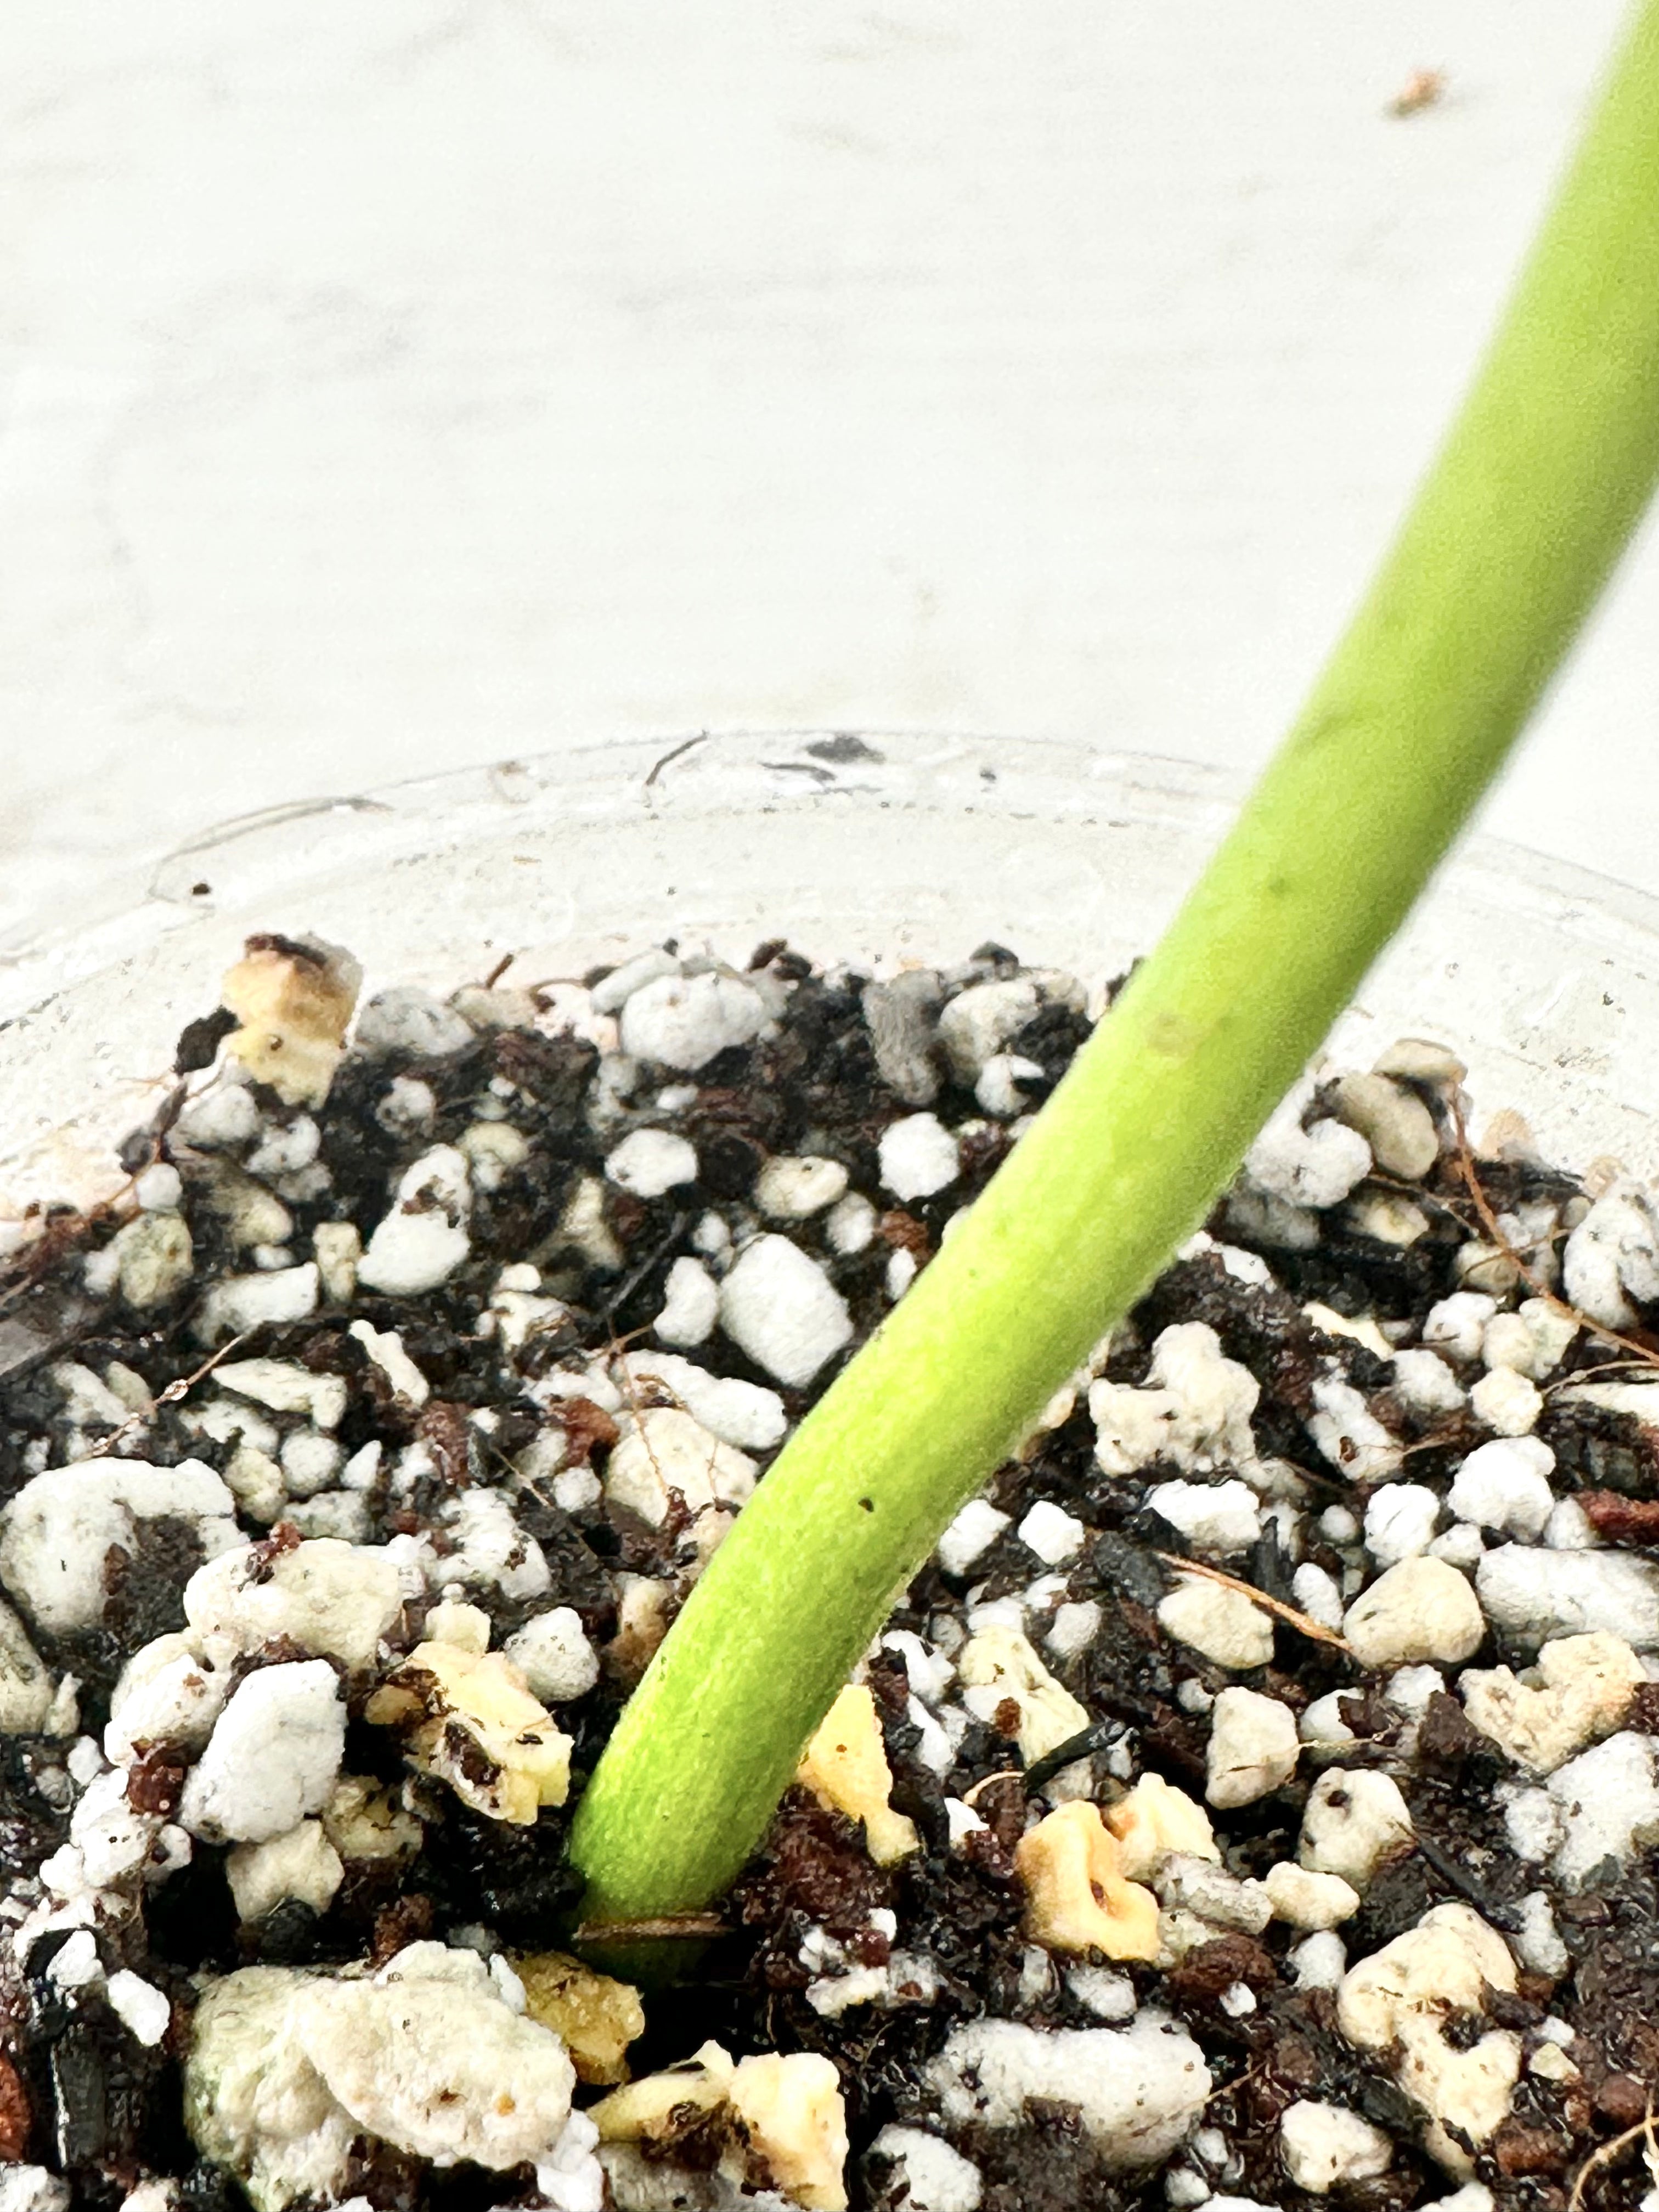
[384, 387]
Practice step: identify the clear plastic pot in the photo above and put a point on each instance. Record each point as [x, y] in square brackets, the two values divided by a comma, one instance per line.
[1546, 978]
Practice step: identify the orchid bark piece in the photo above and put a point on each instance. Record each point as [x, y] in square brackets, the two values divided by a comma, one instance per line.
[1523, 513]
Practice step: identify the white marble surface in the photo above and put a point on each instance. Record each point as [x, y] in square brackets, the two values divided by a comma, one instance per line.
[385, 388]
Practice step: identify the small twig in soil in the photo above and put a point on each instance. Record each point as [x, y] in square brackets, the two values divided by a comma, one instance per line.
[1096, 1737]
[636, 1275]
[1460, 1879]
[1301, 1621]
[1002, 1774]
[180, 1387]
[702, 738]
[1535, 1282]
[667, 1928]
[1605, 2156]
[1239, 2081]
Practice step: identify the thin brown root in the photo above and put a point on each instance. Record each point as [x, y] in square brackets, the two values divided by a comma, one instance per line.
[1276, 1606]
[667, 1928]
[180, 1388]
[1534, 1283]
[1605, 2156]
[1002, 1774]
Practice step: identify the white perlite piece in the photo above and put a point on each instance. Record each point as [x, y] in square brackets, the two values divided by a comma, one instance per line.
[1053, 1534]
[790, 1188]
[1634, 1396]
[1325, 2146]
[272, 1758]
[1423, 1381]
[152, 1257]
[489, 1547]
[555, 1656]
[1505, 1484]
[746, 1414]
[1318, 1594]
[1614, 1251]
[1354, 1819]
[335, 1601]
[1609, 1802]
[613, 992]
[1349, 1434]
[32, 2189]
[57, 1533]
[1309, 1167]
[166, 1694]
[406, 1019]
[77, 1964]
[779, 1306]
[1421, 1609]
[286, 1387]
[240, 1303]
[1533, 1339]
[931, 2176]
[142, 2010]
[919, 1156]
[649, 1162]
[684, 1021]
[1533, 1595]
[385, 1346]
[1580, 1690]
[1302, 1899]
[26, 1687]
[1320, 1962]
[424, 1239]
[110, 1838]
[690, 1306]
[1138, 2090]
[972, 1534]
[1221, 1899]
[1222, 1517]
[1073, 1628]
[287, 2068]
[851, 1225]
[981, 1020]
[1402, 1997]
[1399, 1520]
[1219, 1622]
[1457, 1325]
[1506, 1401]
[663, 1450]
[1195, 1408]
[1253, 1747]
[302, 1864]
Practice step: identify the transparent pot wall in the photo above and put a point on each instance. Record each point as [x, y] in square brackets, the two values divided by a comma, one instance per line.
[1546, 978]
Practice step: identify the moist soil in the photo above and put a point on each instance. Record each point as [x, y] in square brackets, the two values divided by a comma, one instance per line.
[80, 2097]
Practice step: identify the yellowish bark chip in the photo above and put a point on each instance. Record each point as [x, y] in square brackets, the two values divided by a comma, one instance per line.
[792, 2121]
[1153, 1821]
[845, 1767]
[294, 999]
[782, 2118]
[1076, 1896]
[468, 1720]
[665, 2105]
[595, 2016]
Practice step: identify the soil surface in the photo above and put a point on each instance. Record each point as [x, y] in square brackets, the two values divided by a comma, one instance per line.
[500, 1321]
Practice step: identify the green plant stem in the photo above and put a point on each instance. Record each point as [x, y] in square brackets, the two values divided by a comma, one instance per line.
[1504, 552]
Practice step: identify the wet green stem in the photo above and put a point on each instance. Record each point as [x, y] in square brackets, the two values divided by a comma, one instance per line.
[1523, 513]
